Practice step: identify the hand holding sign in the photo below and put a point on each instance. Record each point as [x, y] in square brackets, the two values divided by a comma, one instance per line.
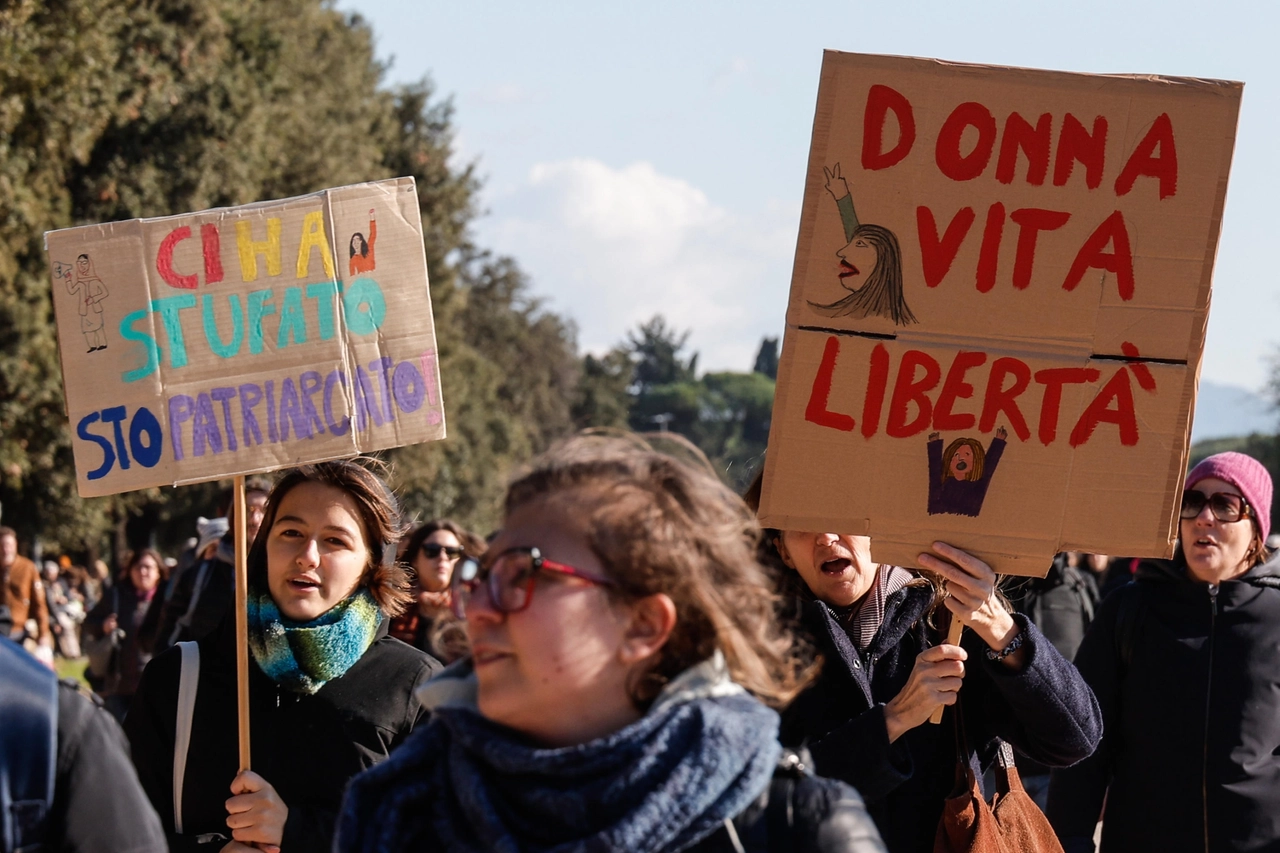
[935, 680]
[971, 596]
[256, 814]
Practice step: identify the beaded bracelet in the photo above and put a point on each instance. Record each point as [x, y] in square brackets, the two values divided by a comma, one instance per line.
[1014, 645]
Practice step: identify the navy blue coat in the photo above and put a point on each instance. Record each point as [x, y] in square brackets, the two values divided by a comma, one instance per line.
[1189, 682]
[1046, 711]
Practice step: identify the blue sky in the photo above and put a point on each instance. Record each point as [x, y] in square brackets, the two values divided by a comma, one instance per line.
[645, 158]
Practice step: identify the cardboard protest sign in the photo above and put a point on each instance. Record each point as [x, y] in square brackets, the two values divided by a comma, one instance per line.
[998, 309]
[246, 339]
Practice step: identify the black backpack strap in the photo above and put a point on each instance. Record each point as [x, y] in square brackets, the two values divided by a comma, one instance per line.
[28, 747]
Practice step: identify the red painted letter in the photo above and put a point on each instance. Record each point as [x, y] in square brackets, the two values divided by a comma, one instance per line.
[817, 411]
[1076, 143]
[955, 388]
[953, 164]
[212, 247]
[1100, 410]
[880, 101]
[1144, 162]
[164, 260]
[1111, 232]
[1031, 221]
[1000, 399]
[937, 254]
[907, 389]
[1053, 379]
[989, 254]
[876, 384]
[1034, 142]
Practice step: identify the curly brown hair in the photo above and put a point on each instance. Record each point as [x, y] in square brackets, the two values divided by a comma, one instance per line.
[386, 579]
[660, 524]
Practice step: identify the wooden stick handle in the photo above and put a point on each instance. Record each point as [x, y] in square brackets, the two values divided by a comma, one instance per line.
[953, 637]
[242, 621]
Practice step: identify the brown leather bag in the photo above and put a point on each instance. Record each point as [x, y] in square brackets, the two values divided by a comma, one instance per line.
[1012, 823]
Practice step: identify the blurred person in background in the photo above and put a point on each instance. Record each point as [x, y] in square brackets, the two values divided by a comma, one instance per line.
[116, 654]
[433, 551]
[205, 592]
[1185, 663]
[24, 596]
[65, 612]
[96, 583]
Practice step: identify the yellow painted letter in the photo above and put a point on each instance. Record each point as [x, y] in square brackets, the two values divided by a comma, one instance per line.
[313, 235]
[250, 248]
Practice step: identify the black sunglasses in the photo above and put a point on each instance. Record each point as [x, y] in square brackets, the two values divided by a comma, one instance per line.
[432, 550]
[1224, 506]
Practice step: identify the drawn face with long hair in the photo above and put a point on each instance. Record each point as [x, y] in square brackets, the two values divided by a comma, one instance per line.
[358, 245]
[963, 460]
[883, 269]
[82, 265]
[859, 261]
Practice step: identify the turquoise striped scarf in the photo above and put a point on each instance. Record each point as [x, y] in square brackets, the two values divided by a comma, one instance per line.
[304, 656]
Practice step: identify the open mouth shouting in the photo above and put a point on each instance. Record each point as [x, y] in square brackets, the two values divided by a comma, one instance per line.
[847, 269]
[833, 561]
[304, 584]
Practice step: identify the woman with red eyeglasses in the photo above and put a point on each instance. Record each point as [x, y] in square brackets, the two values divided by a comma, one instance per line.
[623, 660]
[1185, 662]
[433, 552]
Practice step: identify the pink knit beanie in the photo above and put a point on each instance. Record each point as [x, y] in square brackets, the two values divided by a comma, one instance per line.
[1247, 475]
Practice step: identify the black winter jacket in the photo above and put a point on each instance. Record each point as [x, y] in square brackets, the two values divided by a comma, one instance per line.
[799, 813]
[1188, 677]
[1046, 711]
[307, 747]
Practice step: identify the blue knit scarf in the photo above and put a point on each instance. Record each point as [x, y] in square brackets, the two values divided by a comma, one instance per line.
[304, 656]
[700, 756]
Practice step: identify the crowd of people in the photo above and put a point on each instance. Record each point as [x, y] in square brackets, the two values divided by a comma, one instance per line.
[629, 662]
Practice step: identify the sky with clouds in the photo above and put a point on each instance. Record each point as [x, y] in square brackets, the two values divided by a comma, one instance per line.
[649, 158]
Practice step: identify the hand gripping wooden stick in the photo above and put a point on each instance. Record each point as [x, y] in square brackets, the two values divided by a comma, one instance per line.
[242, 621]
[953, 637]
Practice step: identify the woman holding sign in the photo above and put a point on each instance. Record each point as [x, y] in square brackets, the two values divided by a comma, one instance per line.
[1185, 661]
[887, 670]
[623, 647]
[329, 693]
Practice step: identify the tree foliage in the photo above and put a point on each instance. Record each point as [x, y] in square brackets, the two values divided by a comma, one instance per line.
[113, 110]
[726, 414]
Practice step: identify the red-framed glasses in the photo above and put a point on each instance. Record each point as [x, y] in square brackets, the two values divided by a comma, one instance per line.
[509, 578]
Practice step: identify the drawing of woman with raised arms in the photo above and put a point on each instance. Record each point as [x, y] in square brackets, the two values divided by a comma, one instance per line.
[959, 476]
[870, 264]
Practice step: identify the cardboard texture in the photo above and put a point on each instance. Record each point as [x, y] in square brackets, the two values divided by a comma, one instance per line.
[246, 339]
[1018, 261]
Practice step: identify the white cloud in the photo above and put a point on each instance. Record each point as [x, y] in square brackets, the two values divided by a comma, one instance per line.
[612, 247]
